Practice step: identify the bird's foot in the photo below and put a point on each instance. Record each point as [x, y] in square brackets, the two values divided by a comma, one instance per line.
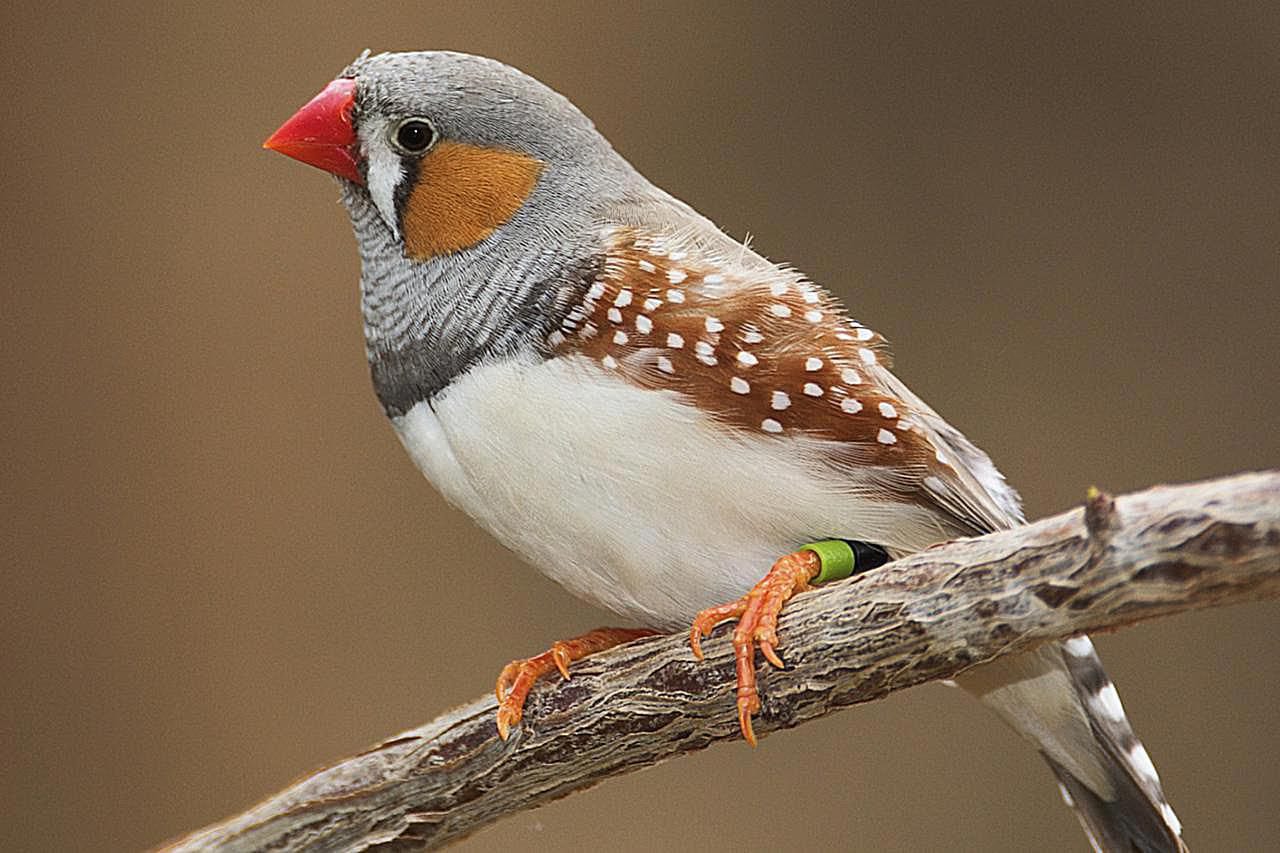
[517, 678]
[757, 615]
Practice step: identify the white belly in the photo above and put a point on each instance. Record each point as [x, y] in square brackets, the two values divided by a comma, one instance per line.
[631, 498]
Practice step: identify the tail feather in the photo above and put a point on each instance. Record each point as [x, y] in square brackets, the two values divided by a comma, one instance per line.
[1139, 806]
[1057, 696]
[1126, 823]
[1060, 698]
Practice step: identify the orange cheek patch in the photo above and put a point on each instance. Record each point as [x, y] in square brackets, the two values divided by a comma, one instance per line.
[462, 195]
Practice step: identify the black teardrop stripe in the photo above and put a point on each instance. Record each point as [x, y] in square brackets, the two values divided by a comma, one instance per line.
[410, 168]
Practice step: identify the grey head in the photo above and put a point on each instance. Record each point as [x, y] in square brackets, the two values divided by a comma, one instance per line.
[479, 215]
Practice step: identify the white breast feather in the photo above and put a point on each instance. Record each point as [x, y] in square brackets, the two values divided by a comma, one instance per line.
[631, 498]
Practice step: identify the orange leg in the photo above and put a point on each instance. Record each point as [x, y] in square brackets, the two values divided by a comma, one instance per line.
[517, 677]
[757, 615]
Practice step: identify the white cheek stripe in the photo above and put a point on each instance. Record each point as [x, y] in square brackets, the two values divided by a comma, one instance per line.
[383, 174]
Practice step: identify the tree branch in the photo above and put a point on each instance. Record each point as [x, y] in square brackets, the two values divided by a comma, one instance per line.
[929, 616]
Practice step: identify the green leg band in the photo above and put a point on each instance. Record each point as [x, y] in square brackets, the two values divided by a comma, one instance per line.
[837, 558]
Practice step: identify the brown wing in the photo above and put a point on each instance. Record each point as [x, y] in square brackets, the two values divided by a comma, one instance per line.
[766, 352]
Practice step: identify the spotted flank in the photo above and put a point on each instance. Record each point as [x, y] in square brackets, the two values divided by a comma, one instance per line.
[770, 354]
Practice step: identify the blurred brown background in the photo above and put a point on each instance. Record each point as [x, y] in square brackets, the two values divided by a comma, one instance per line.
[220, 570]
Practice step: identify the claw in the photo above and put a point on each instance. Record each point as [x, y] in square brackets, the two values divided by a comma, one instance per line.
[506, 719]
[505, 678]
[561, 656]
[518, 677]
[766, 649]
[695, 641]
[711, 617]
[757, 614]
[744, 723]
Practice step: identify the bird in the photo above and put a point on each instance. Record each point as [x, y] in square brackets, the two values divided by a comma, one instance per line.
[651, 413]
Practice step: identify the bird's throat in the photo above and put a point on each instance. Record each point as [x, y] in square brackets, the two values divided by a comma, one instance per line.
[426, 323]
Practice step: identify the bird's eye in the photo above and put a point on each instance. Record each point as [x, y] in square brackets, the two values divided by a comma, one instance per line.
[413, 136]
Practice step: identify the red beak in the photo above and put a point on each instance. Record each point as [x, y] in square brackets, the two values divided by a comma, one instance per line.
[321, 135]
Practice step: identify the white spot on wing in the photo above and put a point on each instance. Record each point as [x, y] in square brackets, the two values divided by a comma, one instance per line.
[676, 276]
[647, 266]
[652, 304]
[714, 325]
[811, 364]
[867, 356]
[779, 310]
[620, 337]
[609, 362]
[747, 359]
[615, 316]
[674, 341]
[850, 406]
[738, 385]
[813, 389]
[886, 437]
[643, 324]
[675, 296]
[623, 299]
[849, 376]
[781, 401]
[770, 425]
[887, 410]
[665, 365]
